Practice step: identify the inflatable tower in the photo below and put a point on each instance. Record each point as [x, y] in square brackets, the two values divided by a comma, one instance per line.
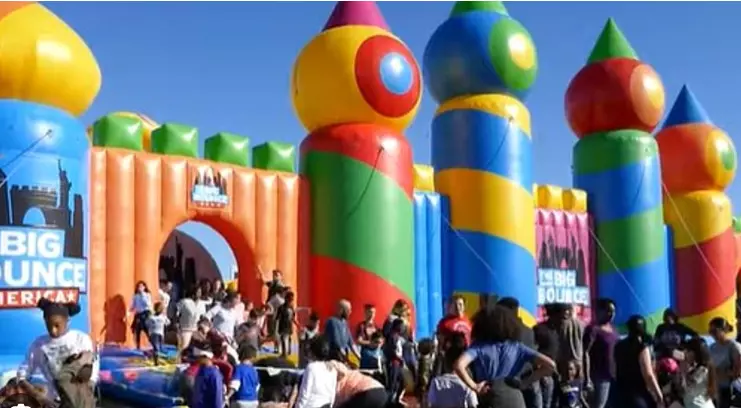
[479, 65]
[355, 88]
[48, 77]
[612, 105]
[698, 162]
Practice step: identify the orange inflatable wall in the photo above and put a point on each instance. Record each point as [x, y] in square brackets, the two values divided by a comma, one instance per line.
[139, 198]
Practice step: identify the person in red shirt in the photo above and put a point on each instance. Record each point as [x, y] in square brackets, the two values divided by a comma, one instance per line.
[455, 321]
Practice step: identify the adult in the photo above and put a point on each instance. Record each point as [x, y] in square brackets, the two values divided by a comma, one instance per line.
[532, 394]
[165, 294]
[275, 285]
[447, 390]
[357, 390]
[670, 334]
[219, 290]
[600, 339]
[223, 318]
[496, 355]
[635, 383]
[318, 388]
[187, 318]
[337, 333]
[455, 321]
[399, 311]
[547, 338]
[726, 357]
[570, 338]
[58, 352]
[367, 327]
[698, 375]
[207, 293]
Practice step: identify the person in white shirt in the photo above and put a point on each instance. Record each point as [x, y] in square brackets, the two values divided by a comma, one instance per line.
[164, 292]
[50, 353]
[223, 318]
[156, 325]
[187, 318]
[141, 306]
[238, 309]
[318, 387]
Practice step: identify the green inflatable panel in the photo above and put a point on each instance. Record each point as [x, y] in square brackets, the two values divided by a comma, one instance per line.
[228, 148]
[119, 132]
[275, 156]
[174, 139]
[737, 225]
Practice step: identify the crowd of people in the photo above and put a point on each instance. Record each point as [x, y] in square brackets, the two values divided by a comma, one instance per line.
[492, 360]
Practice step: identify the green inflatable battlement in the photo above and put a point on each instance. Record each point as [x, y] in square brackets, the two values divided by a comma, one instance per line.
[174, 139]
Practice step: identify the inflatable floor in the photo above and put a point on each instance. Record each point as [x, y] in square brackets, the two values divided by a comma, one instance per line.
[130, 376]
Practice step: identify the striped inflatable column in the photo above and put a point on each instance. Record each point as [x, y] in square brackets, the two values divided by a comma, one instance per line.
[355, 88]
[698, 162]
[479, 65]
[612, 105]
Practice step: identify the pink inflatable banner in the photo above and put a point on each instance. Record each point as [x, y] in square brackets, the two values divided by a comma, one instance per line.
[565, 261]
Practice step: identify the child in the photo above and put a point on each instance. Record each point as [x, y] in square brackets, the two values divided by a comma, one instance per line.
[245, 384]
[285, 318]
[141, 306]
[208, 387]
[426, 362]
[570, 393]
[248, 333]
[61, 350]
[156, 325]
[371, 356]
[307, 333]
[393, 353]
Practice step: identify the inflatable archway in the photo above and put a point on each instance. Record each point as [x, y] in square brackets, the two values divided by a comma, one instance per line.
[139, 198]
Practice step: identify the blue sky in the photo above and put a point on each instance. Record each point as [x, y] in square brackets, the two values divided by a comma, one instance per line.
[226, 66]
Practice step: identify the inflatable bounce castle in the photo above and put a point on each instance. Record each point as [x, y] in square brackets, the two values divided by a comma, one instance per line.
[84, 212]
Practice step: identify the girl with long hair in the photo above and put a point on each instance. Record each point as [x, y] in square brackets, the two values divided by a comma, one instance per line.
[635, 384]
[726, 356]
[141, 306]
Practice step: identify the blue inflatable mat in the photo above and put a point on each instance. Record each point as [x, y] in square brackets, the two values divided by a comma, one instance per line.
[130, 376]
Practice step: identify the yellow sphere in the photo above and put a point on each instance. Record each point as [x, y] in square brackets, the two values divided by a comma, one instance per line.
[43, 60]
[356, 74]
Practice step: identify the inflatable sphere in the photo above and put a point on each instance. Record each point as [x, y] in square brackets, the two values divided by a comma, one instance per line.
[689, 140]
[359, 73]
[44, 60]
[614, 90]
[480, 49]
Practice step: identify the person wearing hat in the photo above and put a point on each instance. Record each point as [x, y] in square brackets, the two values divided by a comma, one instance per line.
[208, 386]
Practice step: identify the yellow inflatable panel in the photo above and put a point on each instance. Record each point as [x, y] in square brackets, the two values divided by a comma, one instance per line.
[44, 61]
[496, 104]
[424, 177]
[700, 322]
[476, 193]
[575, 200]
[473, 304]
[549, 197]
[697, 216]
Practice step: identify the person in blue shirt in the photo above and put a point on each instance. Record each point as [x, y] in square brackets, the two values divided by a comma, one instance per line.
[497, 357]
[208, 387]
[337, 333]
[245, 384]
